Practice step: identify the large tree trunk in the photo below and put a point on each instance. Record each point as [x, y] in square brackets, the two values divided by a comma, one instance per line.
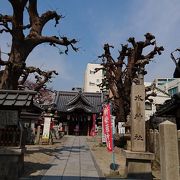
[13, 71]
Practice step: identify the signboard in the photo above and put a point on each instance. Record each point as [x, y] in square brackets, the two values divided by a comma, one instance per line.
[46, 130]
[8, 117]
[121, 129]
[113, 123]
[107, 127]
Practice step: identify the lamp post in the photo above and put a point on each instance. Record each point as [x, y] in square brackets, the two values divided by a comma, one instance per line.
[68, 118]
[88, 118]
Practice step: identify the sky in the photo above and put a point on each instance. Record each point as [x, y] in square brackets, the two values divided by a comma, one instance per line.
[96, 22]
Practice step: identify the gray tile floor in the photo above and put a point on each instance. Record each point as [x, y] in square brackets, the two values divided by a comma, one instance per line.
[74, 162]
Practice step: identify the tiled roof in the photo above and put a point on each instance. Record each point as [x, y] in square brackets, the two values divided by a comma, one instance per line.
[170, 106]
[68, 101]
[78, 96]
[16, 98]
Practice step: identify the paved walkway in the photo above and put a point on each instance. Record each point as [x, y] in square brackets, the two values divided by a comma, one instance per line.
[74, 162]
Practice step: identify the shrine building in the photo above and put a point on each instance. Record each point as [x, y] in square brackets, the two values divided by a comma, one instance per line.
[78, 111]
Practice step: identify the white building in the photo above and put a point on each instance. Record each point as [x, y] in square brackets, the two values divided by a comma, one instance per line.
[172, 87]
[164, 88]
[92, 79]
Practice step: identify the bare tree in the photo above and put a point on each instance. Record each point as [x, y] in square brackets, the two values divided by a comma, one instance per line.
[23, 43]
[121, 72]
[176, 61]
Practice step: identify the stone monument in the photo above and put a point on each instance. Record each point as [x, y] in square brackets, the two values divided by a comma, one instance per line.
[138, 161]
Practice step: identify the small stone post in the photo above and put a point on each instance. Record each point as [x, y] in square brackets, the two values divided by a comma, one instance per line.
[156, 145]
[38, 134]
[169, 151]
[178, 144]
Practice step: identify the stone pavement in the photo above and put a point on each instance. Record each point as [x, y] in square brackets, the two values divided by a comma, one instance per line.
[74, 162]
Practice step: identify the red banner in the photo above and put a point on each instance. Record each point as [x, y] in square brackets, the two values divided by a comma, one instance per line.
[107, 127]
[93, 130]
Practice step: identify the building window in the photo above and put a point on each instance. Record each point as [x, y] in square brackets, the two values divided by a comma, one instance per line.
[169, 80]
[91, 84]
[148, 106]
[159, 84]
[103, 72]
[173, 91]
[158, 106]
[164, 80]
[92, 72]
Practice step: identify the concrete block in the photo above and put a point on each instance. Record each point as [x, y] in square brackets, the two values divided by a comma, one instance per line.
[11, 163]
[138, 164]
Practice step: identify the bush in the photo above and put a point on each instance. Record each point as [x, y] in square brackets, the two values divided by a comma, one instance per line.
[119, 140]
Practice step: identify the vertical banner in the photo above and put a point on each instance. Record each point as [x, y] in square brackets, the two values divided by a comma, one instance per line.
[93, 129]
[107, 126]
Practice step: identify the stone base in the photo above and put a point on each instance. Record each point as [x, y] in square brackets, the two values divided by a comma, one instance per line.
[11, 162]
[138, 164]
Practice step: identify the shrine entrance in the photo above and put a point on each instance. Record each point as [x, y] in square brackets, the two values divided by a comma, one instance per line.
[78, 112]
[79, 123]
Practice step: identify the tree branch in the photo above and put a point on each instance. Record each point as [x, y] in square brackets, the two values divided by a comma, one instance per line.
[47, 16]
[154, 52]
[54, 40]
[32, 10]
[43, 78]
[26, 72]
[149, 37]
[5, 18]
[17, 22]
[132, 41]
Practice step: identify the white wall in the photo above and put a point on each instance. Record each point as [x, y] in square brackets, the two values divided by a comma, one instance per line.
[91, 80]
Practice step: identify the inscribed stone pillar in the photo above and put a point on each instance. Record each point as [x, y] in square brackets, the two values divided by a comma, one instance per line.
[169, 151]
[138, 118]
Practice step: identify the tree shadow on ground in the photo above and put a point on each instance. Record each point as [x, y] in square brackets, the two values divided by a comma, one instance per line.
[46, 150]
[75, 149]
[30, 167]
[65, 178]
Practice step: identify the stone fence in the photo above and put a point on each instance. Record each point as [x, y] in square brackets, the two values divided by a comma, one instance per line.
[153, 144]
[165, 144]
